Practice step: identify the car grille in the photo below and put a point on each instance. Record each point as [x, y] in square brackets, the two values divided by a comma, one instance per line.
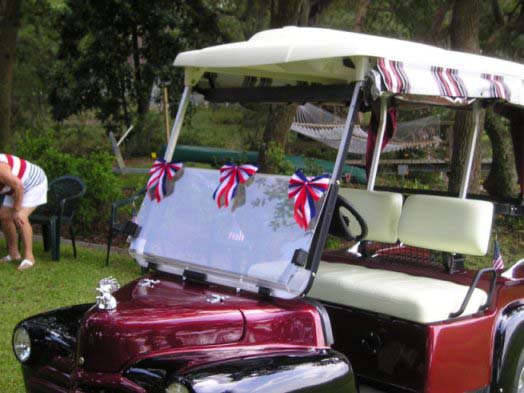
[56, 376]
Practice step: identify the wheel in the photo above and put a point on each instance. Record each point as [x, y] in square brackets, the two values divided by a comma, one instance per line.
[520, 375]
[513, 372]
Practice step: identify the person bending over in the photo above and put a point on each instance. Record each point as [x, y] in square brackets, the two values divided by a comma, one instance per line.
[24, 186]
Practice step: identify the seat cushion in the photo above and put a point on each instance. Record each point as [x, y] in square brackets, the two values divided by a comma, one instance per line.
[381, 210]
[417, 299]
[446, 224]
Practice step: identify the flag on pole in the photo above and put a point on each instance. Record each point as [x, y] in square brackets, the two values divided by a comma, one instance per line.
[498, 262]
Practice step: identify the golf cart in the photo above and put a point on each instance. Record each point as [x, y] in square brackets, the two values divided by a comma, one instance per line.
[240, 296]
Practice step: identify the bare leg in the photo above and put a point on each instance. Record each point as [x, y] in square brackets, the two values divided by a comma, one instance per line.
[9, 229]
[26, 231]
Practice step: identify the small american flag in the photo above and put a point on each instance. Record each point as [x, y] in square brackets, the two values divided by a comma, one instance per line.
[498, 262]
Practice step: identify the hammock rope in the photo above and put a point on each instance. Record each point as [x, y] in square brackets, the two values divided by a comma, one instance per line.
[326, 127]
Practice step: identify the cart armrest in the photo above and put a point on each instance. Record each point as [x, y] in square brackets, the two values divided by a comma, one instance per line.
[480, 273]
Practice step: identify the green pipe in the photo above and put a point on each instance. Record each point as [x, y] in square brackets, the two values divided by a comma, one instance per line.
[214, 155]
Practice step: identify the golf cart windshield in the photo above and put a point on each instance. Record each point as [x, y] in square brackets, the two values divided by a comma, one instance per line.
[249, 244]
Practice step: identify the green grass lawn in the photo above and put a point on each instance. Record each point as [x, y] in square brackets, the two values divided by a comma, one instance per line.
[46, 286]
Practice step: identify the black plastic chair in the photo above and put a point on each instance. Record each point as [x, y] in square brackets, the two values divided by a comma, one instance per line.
[118, 226]
[62, 200]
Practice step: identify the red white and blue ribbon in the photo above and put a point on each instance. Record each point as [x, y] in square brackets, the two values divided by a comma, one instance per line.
[306, 191]
[160, 173]
[230, 177]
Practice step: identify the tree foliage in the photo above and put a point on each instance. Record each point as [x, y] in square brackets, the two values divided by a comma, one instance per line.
[112, 52]
[103, 56]
[36, 51]
[9, 25]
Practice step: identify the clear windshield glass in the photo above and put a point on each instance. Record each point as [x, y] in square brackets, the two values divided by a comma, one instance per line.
[248, 245]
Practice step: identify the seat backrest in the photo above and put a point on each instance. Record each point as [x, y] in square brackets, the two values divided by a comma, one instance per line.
[381, 211]
[65, 187]
[446, 224]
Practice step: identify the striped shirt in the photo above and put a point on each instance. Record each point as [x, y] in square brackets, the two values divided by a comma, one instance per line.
[30, 175]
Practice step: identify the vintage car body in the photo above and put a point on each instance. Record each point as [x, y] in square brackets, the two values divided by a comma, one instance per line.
[175, 330]
[237, 300]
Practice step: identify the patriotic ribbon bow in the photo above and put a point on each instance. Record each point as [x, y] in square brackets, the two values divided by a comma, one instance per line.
[160, 173]
[306, 191]
[230, 177]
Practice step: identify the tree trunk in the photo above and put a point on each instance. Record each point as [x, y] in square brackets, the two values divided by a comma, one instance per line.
[144, 81]
[516, 122]
[287, 12]
[315, 8]
[9, 25]
[465, 37]
[275, 136]
[501, 181]
[280, 118]
[360, 15]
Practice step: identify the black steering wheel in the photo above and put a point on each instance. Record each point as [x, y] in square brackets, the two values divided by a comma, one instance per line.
[340, 222]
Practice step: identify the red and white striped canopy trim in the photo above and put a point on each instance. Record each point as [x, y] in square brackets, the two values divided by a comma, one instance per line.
[435, 81]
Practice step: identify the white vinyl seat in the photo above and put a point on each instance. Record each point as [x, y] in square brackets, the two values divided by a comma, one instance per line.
[381, 211]
[432, 222]
[446, 224]
[417, 299]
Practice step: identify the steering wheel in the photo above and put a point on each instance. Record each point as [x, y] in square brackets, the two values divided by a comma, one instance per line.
[341, 227]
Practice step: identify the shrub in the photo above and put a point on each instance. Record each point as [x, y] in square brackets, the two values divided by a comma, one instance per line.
[94, 168]
[276, 159]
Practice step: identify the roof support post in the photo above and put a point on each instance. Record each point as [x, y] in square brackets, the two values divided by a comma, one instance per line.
[326, 215]
[347, 133]
[177, 125]
[361, 67]
[471, 152]
[378, 144]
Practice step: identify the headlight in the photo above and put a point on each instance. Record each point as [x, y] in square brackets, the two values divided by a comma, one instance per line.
[177, 388]
[22, 344]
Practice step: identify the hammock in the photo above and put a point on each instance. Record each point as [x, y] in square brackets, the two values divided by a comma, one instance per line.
[326, 127]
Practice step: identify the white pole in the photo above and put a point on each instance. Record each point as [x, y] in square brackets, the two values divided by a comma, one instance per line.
[124, 136]
[177, 125]
[378, 144]
[347, 133]
[471, 153]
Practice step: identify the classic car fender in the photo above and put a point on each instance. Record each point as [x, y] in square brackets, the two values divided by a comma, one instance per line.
[509, 344]
[54, 332]
[316, 370]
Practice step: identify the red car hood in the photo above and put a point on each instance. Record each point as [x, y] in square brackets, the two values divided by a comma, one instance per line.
[169, 315]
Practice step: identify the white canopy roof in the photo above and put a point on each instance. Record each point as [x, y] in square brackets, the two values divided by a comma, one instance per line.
[314, 55]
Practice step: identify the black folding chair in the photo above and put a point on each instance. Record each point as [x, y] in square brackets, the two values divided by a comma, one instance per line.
[117, 224]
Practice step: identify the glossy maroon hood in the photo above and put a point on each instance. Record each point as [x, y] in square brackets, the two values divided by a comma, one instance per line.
[174, 316]
[167, 316]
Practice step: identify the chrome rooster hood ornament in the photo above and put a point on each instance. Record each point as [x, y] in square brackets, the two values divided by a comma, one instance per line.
[105, 299]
